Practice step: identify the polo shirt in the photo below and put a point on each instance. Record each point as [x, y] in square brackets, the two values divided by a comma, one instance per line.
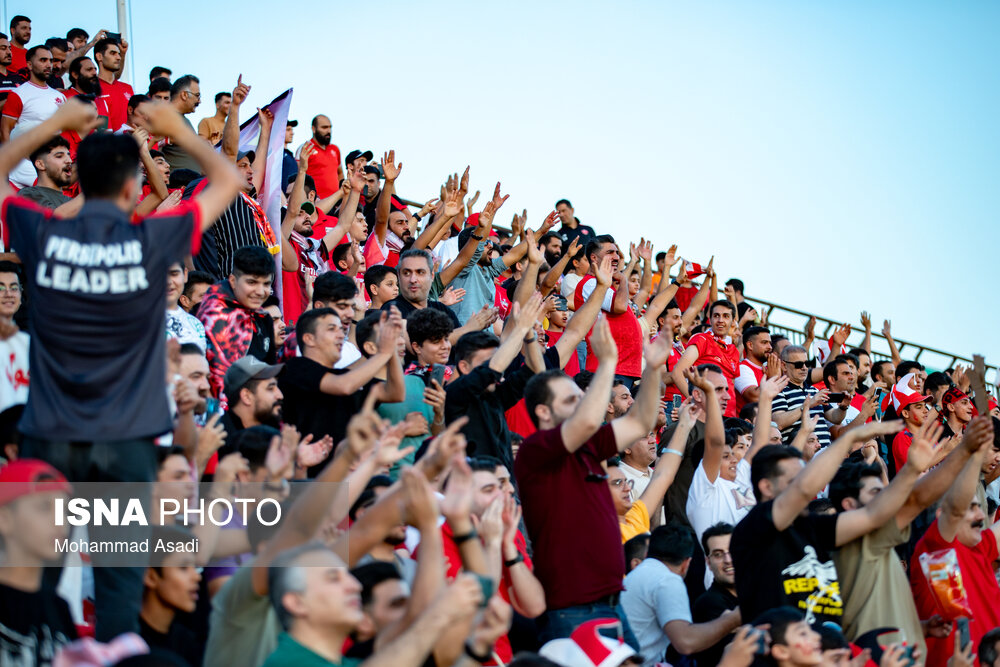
[29, 104]
[636, 521]
[478, 283]
[583, 232]
[290, 653]
[9, 82]
[653, 597]
[711, 502]
[18, 58]
[570, 517]
[791, 398]
[43, 196]
[323, 165]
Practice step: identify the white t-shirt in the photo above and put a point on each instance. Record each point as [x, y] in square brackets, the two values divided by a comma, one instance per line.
[710, 503]
[349, 353]
[568, 286]
[15, 379]
[186, 328]
[34, 104]
[447, 251]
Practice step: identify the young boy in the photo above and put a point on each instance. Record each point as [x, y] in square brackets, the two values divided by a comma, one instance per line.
[170, 586]
[793, 642]
[381, 285]
[182, 325]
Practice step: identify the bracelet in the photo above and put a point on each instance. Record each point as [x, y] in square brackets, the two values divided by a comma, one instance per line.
[481, 659]
[416, 216]
[459, 539]
[672, 451]
[513, 561]
[476, 236]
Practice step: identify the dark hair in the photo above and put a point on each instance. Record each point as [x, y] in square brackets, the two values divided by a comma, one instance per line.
[473, 342]
[819, 506]
[367, 497]
[75, 67]
[164, 453]
[721, 528]
[105, 163]
[988, 647]
[376, 274]
[878, 368]
[103, 45]
[563, 201]
[484, 463]
[595, 244]
[736, 284]
[76, 32]
[661, 255]
[830, 370]
[858, 351]
[340, 254]
[427, 324]
[749, 412]
[637, 547]
[252, 443]
[725, 303]
[158, 85]
[331, 287]
[779, 619]
[49, 146]
[192, 349]
[30, 55]
[371, 575]
[219, 96]
[672, 543]
[766, 462]
[775, 338]
[182, 84]
[548, 236]
[830, 637]
[18, 19]
[524, 659]
[417, 252]
[7, 266]
[136, 100]
[258, 531]
[908, 367]
[583, 379]
[752, 331]
[158, 72]
[935, 381]
[307, 324]
[196, 278]
[537, 392]
[364, 331]
[250, 260]
[57, 43]
[170, 534]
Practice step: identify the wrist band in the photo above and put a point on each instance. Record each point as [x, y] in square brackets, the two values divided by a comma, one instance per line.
[459, 539]
[673, 451]
[481, 659]
[513, 561]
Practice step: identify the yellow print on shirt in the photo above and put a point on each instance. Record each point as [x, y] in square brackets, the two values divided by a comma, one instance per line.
[817, 579]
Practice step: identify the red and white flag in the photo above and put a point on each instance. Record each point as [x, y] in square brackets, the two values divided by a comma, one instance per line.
[693, 269]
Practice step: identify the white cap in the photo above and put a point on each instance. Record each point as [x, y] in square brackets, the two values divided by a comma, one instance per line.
[585, 647]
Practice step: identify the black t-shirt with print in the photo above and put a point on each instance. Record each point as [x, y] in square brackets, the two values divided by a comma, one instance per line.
[791, 567]
[98, 351]
[33, 626]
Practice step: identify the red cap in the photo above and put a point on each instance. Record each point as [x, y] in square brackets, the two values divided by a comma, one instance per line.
[472, 220]
[24, 477]
[910, 399]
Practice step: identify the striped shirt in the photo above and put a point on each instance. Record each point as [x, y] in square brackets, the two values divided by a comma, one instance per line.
[791, 398]
[235, 228]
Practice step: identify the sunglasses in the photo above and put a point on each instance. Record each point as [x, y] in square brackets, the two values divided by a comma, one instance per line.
[797, 364]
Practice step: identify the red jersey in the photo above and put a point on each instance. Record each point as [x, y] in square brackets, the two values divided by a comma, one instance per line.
[901, 447]
[625, 330]
[116, 96]
[750, 375]
[722, 353]
[100, 102]
[18, 58]
[323, 165]
[976, 565]
[676, 352]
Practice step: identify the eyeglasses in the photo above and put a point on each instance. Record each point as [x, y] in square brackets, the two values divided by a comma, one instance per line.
[197, 95]
[618, 482]
[797, 364]
[13, 289]
[718, 554]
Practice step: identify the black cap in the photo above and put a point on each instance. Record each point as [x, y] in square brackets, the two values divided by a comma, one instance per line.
[251, 155]
[355, 154]
[292, 123]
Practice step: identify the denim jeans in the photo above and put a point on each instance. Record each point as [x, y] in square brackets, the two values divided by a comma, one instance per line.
[559, 623]
[118, 589]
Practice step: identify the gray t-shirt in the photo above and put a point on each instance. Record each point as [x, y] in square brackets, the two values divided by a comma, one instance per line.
[653, 597]
[45, 197]
[244, 627]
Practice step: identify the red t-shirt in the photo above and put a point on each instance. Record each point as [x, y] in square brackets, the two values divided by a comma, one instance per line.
[625, 330]
[676, 352]
[116, 96]
[684, 296]
[323, 165]
[901, 447]
[981, 589]
[101, 103]
[561, 492]
[747, 369]
[18, 58]
[712, 350]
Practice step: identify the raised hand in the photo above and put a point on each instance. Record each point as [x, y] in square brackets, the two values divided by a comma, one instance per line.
[240, 92]
[491, 524]
[364, 428]
[603, 272]
[866, 320]
[925, 445]
[772, 386]
[517, 224]
[389, 167]
[387, 449]
[645, 250]
[452, 295]
[810, 330]
[428, 207]
[493, 205]
[873, 429]
[535, 255]
[574, 247]
[419, 504]
[457, 503]
[434, 396]
[839, 337]
[463, 186]
[484, 317]
[311, 453]
[415, 425]
[229, 467]
[511, 519]
[602, 343]
[452, 202]
[887, 329]
[773, 366]
[671, 258]
[281, 454]
[304, 156]
[550, 221]
[390, 329]
[742, 650]
[699, 378]
[656, 352]
[978, 433]
[78, 116]
[211, 437]
[472, 202]
[462, 598]
[819, 398]
[265, 117]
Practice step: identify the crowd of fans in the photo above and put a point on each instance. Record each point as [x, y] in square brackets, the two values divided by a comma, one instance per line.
[552, 446]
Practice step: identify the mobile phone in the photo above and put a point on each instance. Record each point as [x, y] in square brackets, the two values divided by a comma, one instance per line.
[879, 412]
[761, 643]
[487, 585]
[963, 631]
[908, 655]
[102, 124]
[114, 36]
[837, 397]
[678, 401]
[438, 374]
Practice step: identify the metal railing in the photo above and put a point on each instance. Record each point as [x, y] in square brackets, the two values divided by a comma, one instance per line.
[791, 323]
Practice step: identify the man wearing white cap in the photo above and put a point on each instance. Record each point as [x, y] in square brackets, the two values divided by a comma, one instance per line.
[914, 408]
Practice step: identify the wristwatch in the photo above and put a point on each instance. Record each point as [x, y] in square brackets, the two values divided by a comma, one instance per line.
[458, 539]
[513, 561]
[481, 659]
[476, 236]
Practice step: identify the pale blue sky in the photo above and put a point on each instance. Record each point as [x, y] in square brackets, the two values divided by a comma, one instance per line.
[836, 156]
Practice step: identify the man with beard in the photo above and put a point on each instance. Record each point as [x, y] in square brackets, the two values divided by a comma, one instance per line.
[110, 61]
[20, 33]
[194, 368]
[9, 79]
[324, 165]
[54, 167]
[391, 231]
[251, 387]
[551, 244]
[29, 105]
[59, 48]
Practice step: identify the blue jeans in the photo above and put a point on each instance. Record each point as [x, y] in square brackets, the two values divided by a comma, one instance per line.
[560, 623]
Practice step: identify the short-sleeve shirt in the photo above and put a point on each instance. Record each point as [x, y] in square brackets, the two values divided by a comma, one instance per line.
[116, 95]
[561, 492]
[722, 353]
[624, 329]
[901, 448]
[15, 378]
[711, 502]
[98, 278]
[981, 588]
[750, 375]
[653, 597]
[9, 82]
[29, 104]
[636, 521]
[43, 196]
[243, 626]
[789, 567]
[791, 398]
[323, 165]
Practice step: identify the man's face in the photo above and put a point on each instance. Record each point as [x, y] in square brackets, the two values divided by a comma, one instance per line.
[643, 452]
[222, 106]
[57, 165]
[962, 410]
[329, 337]
[674, 320]
[164, 167]
[193, 300]
[194, 367]
[864, 367]
[359, 228]
[140, 116]
[303, 223]
[970, 529]
[161, 96]
[245, 168]
[811, 447]
[266, 401]
[432, 351]
[332, 597]
[41, 64]
[991, 461]
[847, 379]
[795, 367]
[565, 399]
[503, 477]
[289, 130]
[486, 489]
[173, 479]
[621, 401]
[719, 561]
[415, 279]
[372, 183]
[721, 320]
[6, 57]
[22, 32]
[915, 414]
[111, 59]
[344, 309]
[191, 98]
[322, 131]
[176, 584]
[559, 318]
[759, 347]
[399, 226]
[554, 246]
[10, 298]
[79, 41]
[621, 491]
[30, 521]
[721, 387]
[251, 291]
[388, 604]
[565, 213]
[788, 469]
[606, 249]
[801, 647]
[176, 276]
[58, 62]
[775, 436]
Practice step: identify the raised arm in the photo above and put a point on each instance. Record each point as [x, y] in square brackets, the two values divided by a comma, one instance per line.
[715, 432]
[85, 49]
[524, 321]
[589, 414]
[700, 299]
[469, 254]
[584, 318]
[551, 277]
[231, 130]
[645, 250]
[384, 205]
[157, 185]
[686, 361]
[820, 470]
[956, 502]
[529, 278]
[893, 349]
[363, 372]
[265, 119]
[866, 322]
[641, 417]
[769, 389]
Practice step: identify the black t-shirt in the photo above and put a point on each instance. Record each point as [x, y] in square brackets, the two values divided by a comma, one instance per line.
[583, 232]
[9, 82]
[33, 626]
[179, 640]
[791, 567]
[97, 321]
[710, 606]
[405, 308]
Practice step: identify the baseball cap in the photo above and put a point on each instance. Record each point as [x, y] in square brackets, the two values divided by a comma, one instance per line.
[586, 647]
[251, 155]
[355, 154]
[953, 395]
[25, 477]
[374, 168]
[904, 395]
[293, 123]
[246, 369]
